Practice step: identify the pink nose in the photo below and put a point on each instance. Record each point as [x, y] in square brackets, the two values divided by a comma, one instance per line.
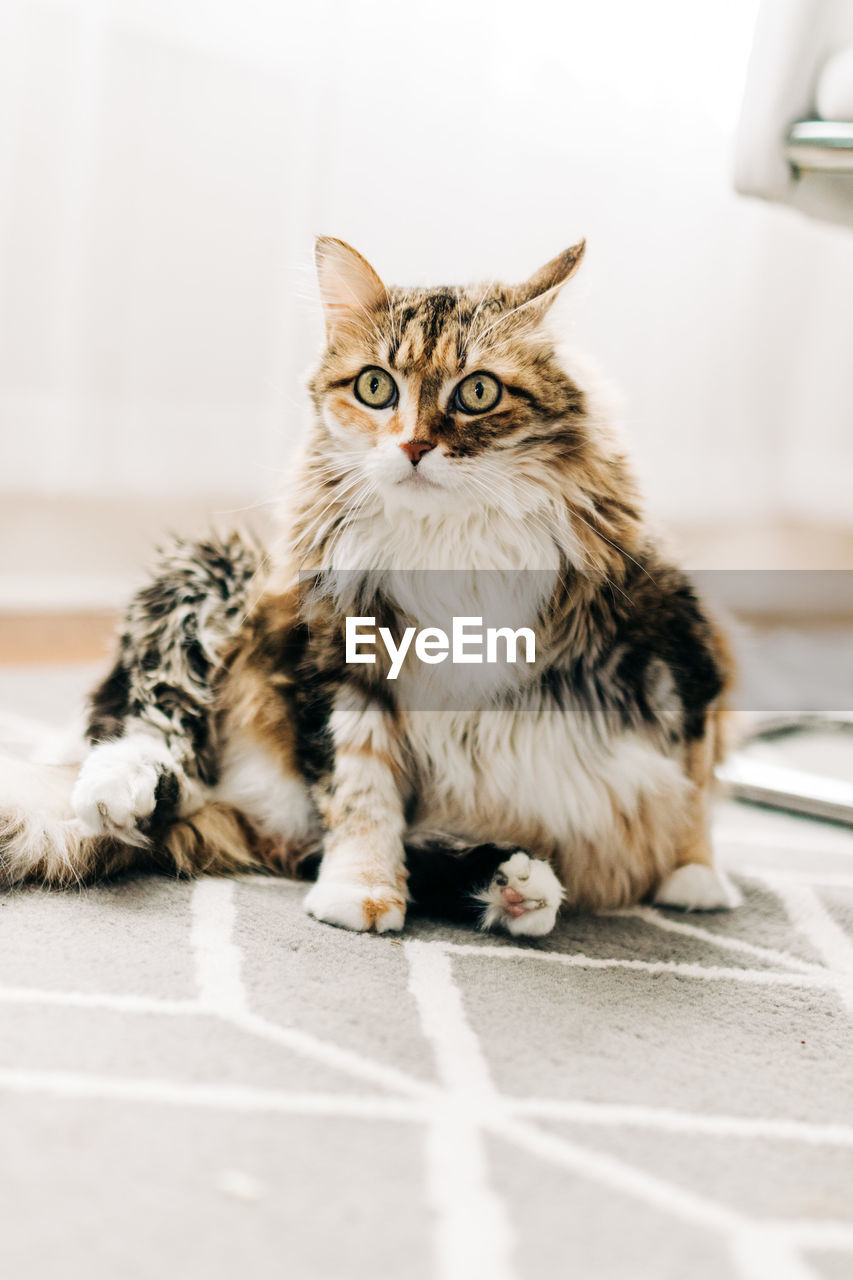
[415, 450]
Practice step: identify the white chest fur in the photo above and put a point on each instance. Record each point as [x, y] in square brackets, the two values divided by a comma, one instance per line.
[417, 561]
[485, 537]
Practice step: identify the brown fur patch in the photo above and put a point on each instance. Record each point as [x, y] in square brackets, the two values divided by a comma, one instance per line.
[376, 908]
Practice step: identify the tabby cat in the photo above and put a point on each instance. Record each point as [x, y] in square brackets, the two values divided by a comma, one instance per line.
[450, 436]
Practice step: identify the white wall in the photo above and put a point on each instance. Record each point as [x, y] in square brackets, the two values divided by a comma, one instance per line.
[164, 165]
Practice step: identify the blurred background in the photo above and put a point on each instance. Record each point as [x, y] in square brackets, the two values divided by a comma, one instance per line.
[165, 165]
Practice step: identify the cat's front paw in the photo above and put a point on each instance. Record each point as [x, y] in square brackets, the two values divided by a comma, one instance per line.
[356, 905]
[523, 897]
[122, 785]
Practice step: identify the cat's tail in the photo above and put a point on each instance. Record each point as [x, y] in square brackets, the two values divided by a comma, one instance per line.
[41, 840]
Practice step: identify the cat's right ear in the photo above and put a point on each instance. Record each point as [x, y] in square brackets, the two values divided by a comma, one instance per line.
[349, 286]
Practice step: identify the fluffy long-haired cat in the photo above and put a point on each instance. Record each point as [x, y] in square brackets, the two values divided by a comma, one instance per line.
[449, 438]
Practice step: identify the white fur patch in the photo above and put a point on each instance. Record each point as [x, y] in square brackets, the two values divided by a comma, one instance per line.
[37, 828]
[696, 887]
[67, 745]
[410, 541]
[253, 780]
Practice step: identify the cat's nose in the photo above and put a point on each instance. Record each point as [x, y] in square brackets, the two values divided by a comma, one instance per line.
[415, 450]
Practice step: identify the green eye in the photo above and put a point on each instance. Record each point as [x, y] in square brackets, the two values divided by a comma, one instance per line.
[477, 393]
[375, 388]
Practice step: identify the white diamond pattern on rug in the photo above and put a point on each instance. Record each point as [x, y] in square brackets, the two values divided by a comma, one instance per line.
[696, 1095]
[200, 1081]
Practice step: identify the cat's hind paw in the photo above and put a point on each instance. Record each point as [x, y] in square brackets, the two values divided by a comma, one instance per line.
[357, 905]
[696, 887]
[523, 897]
[122, 786]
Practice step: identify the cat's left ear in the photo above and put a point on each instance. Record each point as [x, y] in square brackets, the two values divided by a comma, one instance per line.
[349, 286]
[537, 294]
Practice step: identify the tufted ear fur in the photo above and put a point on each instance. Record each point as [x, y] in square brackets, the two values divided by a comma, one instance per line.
[349, 286]
[537, 294]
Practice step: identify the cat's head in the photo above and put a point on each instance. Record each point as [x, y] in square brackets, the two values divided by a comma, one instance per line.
[443, 398]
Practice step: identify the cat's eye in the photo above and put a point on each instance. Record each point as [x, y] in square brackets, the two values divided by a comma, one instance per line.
[375, 388]
[477, 393]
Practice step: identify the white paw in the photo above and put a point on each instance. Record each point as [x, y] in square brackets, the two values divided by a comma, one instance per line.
[523, 897]
[356, 905]
[116, 788]
[696, 887]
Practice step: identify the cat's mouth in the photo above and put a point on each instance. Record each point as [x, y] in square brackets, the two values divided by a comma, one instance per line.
[417, 480]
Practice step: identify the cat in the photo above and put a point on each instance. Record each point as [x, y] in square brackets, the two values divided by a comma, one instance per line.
[451, 437]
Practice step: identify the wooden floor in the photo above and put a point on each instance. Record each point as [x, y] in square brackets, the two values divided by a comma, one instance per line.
[46, 637]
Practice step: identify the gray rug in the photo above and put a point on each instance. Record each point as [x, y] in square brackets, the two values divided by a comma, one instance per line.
[200, 1081]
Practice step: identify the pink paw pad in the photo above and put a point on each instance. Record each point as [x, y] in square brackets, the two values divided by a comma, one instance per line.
[523, 897]
[515, 901]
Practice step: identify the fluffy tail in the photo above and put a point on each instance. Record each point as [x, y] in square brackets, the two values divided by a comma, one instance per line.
[41, 840]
